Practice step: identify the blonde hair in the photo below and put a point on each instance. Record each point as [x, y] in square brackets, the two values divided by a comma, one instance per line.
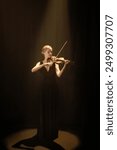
[45, 47]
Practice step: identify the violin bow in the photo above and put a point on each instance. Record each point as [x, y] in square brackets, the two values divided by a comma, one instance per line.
[61, 48]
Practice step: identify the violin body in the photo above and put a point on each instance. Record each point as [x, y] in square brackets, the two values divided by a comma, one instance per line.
[59, 60]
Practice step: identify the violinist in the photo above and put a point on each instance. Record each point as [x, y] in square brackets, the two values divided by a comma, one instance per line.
[49, 60]
[47, 98]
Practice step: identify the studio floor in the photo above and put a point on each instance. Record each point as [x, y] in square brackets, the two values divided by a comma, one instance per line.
[67, 140]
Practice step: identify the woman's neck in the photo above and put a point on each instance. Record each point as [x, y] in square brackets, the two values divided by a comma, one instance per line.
[45, 60]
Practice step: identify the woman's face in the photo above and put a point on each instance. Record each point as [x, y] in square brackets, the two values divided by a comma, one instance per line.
[48, 53]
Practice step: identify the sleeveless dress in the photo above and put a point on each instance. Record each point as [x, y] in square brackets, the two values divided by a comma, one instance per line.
[46, 105]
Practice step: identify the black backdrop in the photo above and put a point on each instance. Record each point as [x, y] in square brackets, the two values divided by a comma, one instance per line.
[19, 22]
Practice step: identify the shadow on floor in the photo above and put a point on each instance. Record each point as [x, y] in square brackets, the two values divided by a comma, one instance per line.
[65, 141]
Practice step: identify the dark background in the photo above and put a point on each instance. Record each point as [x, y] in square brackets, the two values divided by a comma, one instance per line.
[19, 23]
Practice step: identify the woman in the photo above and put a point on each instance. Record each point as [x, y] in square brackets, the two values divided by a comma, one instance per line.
[46, 70]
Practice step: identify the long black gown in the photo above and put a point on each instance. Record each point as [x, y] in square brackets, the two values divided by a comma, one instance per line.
[46, 103]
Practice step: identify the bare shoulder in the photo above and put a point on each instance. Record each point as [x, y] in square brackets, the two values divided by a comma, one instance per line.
[38, 63]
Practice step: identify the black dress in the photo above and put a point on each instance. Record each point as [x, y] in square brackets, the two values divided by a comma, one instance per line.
[45, 106]
[47, 97]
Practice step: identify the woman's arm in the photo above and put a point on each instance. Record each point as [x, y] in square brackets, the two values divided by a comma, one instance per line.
[37, 67]
[58, 71]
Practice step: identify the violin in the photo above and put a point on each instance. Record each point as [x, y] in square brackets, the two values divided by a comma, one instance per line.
[59, 60]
